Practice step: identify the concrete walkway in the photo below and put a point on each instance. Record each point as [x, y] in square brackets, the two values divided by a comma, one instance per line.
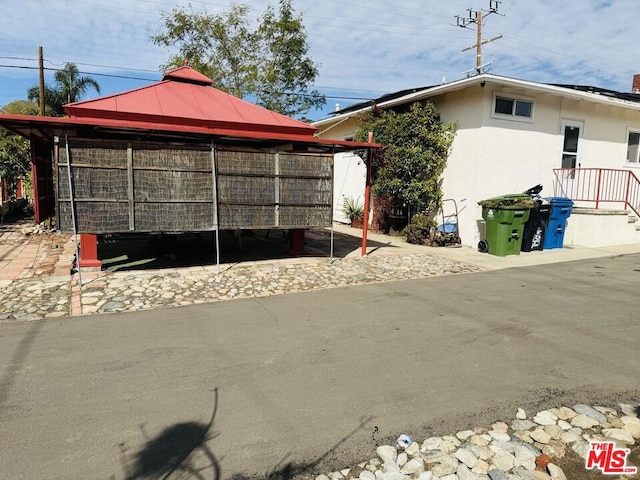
[23, 256]
[485, 261]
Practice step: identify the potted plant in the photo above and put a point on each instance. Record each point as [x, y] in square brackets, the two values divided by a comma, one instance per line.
[354, 211]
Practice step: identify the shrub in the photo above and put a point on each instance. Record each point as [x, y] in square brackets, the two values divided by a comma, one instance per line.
[408, 169]
[352, 209]
[421, 230]
[382, 214]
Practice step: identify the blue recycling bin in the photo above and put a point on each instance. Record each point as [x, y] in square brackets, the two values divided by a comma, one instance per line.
[560, 210]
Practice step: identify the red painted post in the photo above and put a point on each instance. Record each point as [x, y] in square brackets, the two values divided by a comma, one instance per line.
[367, 196]
[626, 193]
[296, 241]
[89, 251]
[36, 193]
[598, 191]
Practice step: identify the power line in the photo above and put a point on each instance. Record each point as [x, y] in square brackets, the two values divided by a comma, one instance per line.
[335, 97]
[350, 25]
[20, 58]
[26, 67]
[117, 67]
[104, 66]
[359, 25]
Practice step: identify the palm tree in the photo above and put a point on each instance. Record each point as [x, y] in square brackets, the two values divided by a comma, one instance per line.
[70, 87]
[53, 100]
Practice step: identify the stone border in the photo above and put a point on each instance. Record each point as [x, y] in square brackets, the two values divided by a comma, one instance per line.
[525, 449]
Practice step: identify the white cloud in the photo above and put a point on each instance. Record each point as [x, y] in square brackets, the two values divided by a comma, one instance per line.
[365, 47]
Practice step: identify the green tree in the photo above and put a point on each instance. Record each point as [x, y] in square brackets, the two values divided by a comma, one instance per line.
[15, 159]
[416, 146]
[222, 47]
[287, 69]
[69, 87]
[53, 100]
[267, 62]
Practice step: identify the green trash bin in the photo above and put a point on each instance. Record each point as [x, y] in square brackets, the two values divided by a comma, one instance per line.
[505, 217]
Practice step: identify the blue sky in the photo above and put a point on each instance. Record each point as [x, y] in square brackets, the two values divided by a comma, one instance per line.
[365, 48]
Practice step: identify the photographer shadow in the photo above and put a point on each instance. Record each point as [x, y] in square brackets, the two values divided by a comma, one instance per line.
[181, 451]
[174, 453]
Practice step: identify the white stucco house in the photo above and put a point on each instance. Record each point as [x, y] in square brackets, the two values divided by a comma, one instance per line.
[577, 141]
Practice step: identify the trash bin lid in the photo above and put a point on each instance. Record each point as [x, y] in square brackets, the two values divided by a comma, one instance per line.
[561, 201]
[511, 201]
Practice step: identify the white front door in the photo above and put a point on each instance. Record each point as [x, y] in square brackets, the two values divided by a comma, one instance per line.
[571, 133]
[571, 136]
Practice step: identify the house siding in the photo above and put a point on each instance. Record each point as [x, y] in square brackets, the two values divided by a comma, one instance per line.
[349, 171]
[498, 156]
[493, 156]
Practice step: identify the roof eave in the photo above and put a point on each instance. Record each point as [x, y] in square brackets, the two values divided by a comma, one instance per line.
[460, 84]
[56, 126]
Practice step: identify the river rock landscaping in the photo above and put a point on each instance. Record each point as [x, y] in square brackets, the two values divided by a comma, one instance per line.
[526, 448]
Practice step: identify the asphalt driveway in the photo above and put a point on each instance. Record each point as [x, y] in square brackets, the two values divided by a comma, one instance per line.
[313, 379]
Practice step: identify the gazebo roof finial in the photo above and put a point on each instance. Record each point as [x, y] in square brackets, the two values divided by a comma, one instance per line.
[188, 75]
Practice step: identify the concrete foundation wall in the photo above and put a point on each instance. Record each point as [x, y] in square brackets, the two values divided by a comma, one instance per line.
[599, 228]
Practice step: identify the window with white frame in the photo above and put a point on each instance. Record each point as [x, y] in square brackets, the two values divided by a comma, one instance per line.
[515, 108]
[633, 147]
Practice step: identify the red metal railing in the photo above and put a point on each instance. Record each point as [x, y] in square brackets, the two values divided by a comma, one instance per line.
[599, 186]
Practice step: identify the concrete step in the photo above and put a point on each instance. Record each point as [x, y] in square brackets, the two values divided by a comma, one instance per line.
[599, 227]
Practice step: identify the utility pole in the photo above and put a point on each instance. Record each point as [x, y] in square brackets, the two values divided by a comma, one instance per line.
[476, 18]
[41, 87]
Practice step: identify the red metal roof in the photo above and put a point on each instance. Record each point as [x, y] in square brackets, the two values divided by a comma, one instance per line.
[187, 73]
[186, 97]
[26, 125]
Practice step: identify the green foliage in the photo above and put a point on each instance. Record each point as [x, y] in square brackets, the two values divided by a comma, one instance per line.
[352, 208]
[21, 107]
[516, 201]
[268, 62]
[287, 70]
[222, 47]
[421, 230]
[69, 87]
[15, 159]
[416, 146]
[53, 100]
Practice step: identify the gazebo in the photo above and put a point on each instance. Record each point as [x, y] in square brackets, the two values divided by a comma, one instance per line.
[178, 156]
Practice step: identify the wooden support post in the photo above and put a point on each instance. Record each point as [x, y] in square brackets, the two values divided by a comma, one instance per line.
[41, 92]
[89, 251]
[296, 241]
[36, 191]
[130, 189]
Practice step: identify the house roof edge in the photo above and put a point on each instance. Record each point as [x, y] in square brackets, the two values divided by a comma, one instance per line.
[553, 89]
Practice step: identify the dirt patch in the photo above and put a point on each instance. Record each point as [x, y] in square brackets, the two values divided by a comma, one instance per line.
[573, 467]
